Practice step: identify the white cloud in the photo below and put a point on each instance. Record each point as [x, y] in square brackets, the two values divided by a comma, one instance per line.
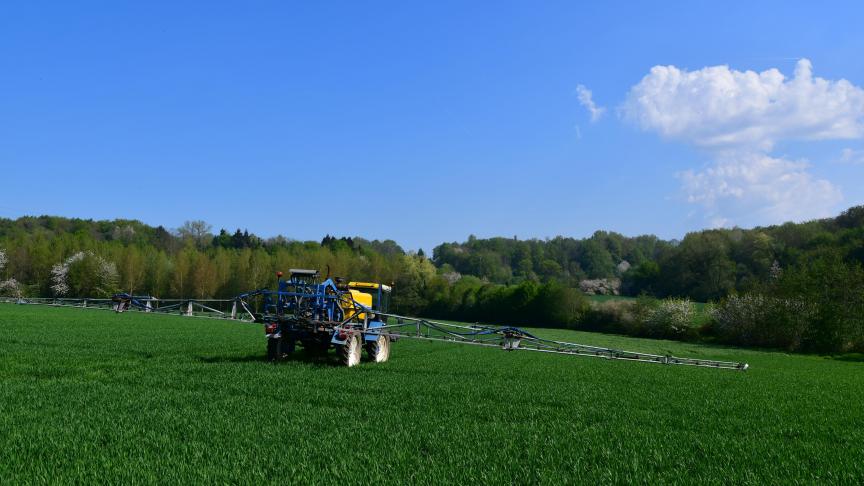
[718, 106]
[752, 188]
[852, 156]
[738, 117]
[586, 100]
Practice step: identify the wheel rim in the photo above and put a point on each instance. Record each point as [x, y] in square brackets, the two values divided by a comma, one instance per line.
[383, 353]
[353, 350]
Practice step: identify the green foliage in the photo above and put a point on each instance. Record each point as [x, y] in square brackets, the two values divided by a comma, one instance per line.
[189, 262]
[645, 317]
[816, 306]
[834, 290]
[700, 267]
[596, 259]
[669, 318]
[92, 276]
[559, 305]
[760, 320]
[528, 303]
[84, 273]
[566, 260]
[415, 275]
[611, 315]
[642, 279]
[706, 265]
[237, 240]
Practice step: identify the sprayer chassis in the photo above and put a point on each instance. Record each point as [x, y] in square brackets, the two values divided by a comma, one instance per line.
[284, 333]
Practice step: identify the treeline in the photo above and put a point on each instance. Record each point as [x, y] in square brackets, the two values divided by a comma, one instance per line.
[97, 258]
[705, 265]
[566, 260]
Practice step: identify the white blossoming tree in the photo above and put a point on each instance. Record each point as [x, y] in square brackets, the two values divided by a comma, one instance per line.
[10, 286]
[84, 274]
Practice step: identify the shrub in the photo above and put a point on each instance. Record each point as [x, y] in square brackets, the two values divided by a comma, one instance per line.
[669, 318]
[10, 288]
[560, 305]
[834, 292]
[760, 320]
[646, 316]
[610, 316]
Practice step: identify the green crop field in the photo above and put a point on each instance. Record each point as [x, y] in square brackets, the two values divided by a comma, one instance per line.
[606, 298]
[93, 396]
[700, 306]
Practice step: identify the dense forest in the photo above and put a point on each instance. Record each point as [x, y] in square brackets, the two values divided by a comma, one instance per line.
[705, 265]
[98, 258]
[502, 280]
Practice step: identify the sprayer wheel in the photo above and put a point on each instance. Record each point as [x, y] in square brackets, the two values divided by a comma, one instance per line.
[274, 349]
[379, 350]
[349, 353]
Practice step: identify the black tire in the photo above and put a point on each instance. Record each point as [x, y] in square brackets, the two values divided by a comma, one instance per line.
[378, 350]
[277, 348]
[274, 349]
[350, 352]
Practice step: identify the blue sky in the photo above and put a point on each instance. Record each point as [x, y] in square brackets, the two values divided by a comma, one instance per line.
[425, 122]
